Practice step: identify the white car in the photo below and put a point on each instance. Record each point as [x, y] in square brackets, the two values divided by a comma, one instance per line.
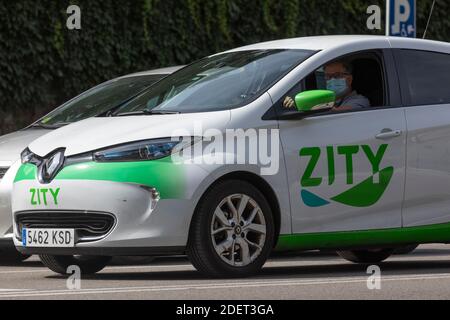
[93, 102]
[240, 154]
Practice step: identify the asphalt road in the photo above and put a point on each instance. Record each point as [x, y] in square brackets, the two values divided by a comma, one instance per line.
[425, 274]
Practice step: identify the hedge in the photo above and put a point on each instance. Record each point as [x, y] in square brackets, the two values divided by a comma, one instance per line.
[42, 63]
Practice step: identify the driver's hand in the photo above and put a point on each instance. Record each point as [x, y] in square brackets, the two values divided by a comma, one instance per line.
[289, 103]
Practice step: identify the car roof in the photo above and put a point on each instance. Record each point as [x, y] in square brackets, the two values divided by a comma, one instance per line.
[162, 71]
[333, 42]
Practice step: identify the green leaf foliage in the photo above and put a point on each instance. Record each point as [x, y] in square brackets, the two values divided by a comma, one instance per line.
[42, 63]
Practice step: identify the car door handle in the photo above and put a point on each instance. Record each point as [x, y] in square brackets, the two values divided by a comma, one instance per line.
[388, 134]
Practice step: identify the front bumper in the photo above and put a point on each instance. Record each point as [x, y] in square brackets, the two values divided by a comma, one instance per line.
[101, 251]
[142, 227]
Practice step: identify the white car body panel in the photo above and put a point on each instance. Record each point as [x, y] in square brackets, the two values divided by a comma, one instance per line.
[11, 145]
[119, 130]
[386, 213]
[427, 198]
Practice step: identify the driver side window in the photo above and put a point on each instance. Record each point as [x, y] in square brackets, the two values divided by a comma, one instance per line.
[357, 81]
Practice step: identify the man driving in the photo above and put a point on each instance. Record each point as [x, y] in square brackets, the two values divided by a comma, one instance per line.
[339, 78]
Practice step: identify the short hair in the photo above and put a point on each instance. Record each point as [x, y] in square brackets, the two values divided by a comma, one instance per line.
[348, 66]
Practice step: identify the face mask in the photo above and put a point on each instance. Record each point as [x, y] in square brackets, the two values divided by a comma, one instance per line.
[339, 86]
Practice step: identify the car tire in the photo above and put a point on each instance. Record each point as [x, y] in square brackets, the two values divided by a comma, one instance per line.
[87, 264]
[406, 250]
[366, 256]
[242, 258]
[13, 256]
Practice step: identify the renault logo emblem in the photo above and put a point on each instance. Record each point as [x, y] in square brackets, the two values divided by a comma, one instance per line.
[50, 166]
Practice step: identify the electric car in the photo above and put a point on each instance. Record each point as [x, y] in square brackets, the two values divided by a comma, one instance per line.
[246, 152]
[95, 101]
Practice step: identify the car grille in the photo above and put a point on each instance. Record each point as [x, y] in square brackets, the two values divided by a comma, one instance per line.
[3, 171]
[89, 226]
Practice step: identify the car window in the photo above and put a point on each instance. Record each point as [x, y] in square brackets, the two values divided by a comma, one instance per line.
[427, 76]
[219, 82]
[99, 100]
[368, 79]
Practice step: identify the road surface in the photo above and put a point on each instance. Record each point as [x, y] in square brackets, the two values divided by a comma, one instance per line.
[424, 274]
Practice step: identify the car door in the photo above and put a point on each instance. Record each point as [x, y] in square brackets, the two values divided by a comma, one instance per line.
[425, 78]
[346, 171]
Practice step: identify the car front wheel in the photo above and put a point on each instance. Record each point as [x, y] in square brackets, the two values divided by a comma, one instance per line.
[87, 264]
[232, 232]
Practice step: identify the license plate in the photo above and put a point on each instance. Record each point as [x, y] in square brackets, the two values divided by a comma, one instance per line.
[52, 238]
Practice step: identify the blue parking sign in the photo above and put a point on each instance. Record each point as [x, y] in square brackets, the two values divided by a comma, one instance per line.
[401, 18]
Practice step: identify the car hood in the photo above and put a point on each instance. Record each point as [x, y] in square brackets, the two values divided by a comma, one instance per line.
[96, 133]
[11, 145]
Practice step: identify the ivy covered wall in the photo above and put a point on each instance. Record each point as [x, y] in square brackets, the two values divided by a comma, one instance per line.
[42, 63]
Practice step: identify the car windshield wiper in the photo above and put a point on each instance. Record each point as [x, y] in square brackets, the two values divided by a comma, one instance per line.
[146, 112]
[48, 126]
[110, 112]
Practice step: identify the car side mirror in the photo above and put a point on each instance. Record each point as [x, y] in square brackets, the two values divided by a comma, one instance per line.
[315, 100]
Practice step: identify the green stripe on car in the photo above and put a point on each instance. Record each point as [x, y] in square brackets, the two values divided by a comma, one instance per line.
[167, 177]
[384, 237]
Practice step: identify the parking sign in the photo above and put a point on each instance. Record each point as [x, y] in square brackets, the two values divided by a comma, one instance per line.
[401, 18]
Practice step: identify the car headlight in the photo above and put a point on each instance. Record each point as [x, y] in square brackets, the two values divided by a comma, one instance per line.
[26, 156]
[144, 150]
[29, 157]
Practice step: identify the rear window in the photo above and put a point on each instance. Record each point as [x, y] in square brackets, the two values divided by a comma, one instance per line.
[427, 76]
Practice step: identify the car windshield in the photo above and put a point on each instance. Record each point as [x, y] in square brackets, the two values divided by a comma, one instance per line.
[218, 82]
[98, 100]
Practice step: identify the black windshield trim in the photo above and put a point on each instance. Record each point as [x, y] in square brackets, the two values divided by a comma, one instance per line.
[146, 113]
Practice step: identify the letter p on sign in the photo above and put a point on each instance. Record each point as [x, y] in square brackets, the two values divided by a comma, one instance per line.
[401, 18]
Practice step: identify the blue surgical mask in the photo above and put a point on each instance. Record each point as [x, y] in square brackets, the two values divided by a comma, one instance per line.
[339, 86]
